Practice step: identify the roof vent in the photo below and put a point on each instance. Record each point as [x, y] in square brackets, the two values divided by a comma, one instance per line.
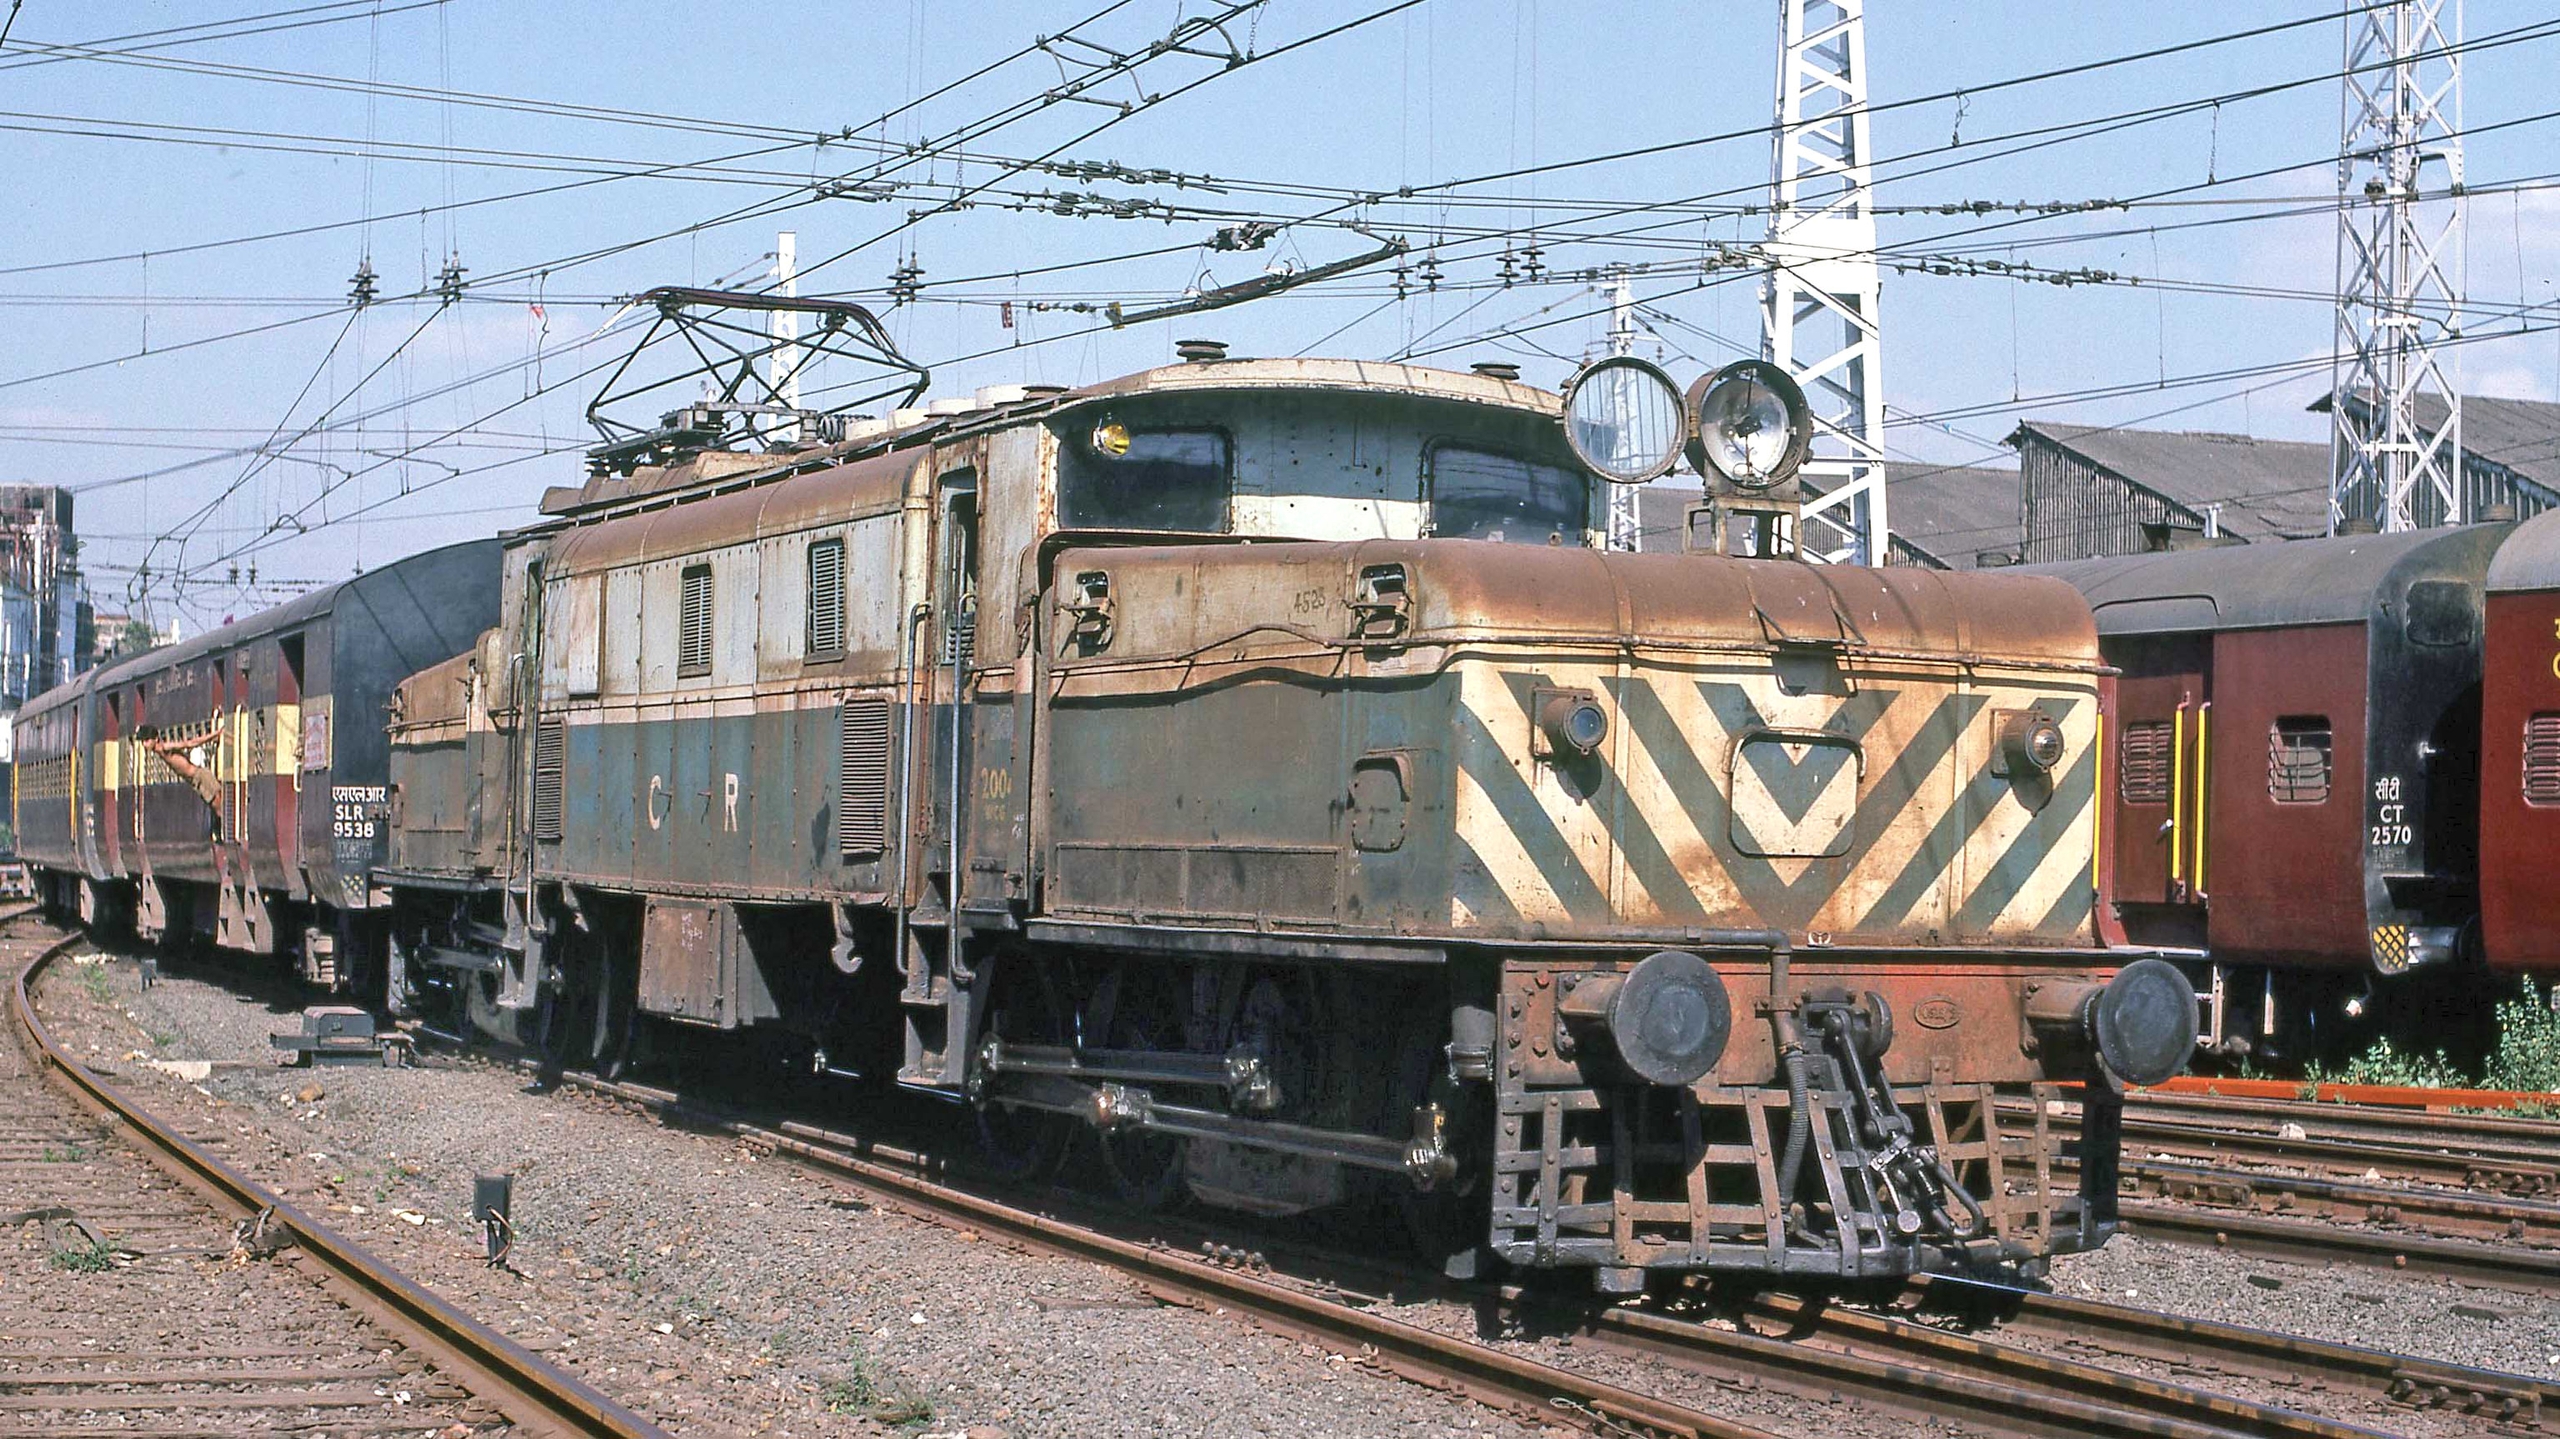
[2496, 514]
[1496, 369]
[2358, 526]
[1200, 352]
[949, 405]
[1042, 392]
[996, 396]
[906, 417]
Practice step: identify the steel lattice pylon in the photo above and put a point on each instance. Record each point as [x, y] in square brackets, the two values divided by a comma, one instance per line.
[1818, 307]
[2399, 270]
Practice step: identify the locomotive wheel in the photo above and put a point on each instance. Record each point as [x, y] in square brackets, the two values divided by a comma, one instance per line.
[1449, 1217]
[1020, 1143]
[1279, 1018]
[615, 1004]
[1145, 1168]
[569, 1010]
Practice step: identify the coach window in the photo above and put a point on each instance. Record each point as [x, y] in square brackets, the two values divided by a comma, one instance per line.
[1118, 477]
[1480, 495]
[2298, 763]
[826, 599]
[693, 622]
[2542, 759]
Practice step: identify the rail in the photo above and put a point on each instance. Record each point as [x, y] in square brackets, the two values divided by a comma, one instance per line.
[1891, 1363]
[537, 1396]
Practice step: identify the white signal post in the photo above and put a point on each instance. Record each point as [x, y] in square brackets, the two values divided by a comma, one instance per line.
[1818, 317]
[1624, 517]
[786, 331]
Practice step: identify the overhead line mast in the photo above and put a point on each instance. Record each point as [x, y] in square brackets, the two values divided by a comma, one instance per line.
[2400, 286]
[1818, 307]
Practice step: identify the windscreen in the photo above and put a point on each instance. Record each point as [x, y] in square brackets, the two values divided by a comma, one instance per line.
[1481, 495]
[1122, 478]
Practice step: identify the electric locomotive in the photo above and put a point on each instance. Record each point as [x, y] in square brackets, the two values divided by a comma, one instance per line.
[1262, 767]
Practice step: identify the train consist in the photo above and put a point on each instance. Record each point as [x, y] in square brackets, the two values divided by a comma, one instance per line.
[1259, 765]
[2337, 775]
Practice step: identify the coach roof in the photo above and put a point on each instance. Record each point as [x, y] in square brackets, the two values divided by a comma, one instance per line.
[2530, 559]
[2267, 586]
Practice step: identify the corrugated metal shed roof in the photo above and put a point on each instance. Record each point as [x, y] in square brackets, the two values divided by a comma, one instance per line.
[2523, 435]
[1951, 513]
[2268, 489]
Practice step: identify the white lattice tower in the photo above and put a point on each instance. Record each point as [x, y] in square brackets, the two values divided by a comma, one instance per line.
[2399, 269]
[1625, 520]
[1818, 309]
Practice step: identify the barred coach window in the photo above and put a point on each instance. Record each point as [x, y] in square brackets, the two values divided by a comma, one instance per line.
[2298, 764]
[1118, 478]
[1478, 495]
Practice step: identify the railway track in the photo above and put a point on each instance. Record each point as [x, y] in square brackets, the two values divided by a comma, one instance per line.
[164, 1293]
[1889, 1362]
[2015, 1364]
[2487, 1152]
[2425, 1193]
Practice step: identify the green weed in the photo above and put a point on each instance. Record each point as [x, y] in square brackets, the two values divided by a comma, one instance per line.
[93, 978]
[2527, 1057]
[65, 1153]
[2386, 1064]
[2528, 1053]
[865, 1393]
[94, 1257]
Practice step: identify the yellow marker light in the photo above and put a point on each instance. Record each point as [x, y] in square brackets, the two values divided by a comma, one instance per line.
[1111, 438]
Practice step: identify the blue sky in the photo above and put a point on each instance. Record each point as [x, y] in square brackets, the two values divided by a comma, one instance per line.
[1443, 90]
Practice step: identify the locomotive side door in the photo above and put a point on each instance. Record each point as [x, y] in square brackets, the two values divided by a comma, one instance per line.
[956, 679]
[2156, 797]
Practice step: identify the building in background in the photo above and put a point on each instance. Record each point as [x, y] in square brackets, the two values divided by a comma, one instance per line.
[2510, 452]
[45, 625]
[46, 633]
[2088, 490]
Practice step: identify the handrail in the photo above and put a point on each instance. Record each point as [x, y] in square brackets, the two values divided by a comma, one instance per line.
[2203, 793]
[2177, 801]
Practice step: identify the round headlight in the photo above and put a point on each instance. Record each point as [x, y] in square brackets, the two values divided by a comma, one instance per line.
[2043, 746]
[1754, 426]
[1624, 418]
[2033, 740]
[1111, 438]
[1574, 723]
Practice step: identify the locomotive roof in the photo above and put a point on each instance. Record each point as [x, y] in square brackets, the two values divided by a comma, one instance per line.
[1472, 588]
[2268, 586]
[265, 622]
[2530, 559]
[1013, 404]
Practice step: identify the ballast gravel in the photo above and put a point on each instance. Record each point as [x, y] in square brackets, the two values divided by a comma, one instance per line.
[710, 1288]
[721, 1291]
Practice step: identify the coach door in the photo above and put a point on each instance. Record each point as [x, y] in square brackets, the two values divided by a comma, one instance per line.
[112, 780]
[282, 752]
[2157, 794]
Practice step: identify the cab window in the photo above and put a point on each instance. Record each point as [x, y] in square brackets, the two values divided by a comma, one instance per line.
[1117, 477]
[1480, 495]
